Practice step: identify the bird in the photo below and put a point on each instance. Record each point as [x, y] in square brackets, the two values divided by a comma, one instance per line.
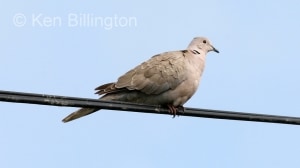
[168, 79]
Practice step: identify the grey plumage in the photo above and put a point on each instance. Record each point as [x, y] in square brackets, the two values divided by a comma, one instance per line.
[169, 78]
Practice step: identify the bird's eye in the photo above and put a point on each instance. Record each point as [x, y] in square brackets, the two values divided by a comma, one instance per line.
[204, 41]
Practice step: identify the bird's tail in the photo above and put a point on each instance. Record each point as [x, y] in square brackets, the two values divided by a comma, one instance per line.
[80, 113]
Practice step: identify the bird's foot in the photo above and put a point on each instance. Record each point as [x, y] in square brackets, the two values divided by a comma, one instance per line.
[174, 110]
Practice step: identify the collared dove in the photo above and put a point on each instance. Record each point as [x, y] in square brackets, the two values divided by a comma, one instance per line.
[168, 79]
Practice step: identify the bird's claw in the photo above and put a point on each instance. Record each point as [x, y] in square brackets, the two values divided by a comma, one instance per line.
[174, 110]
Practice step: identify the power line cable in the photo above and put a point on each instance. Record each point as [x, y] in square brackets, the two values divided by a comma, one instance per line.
[55, 100]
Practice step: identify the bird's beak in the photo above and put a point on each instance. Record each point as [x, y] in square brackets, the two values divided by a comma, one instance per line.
[214, 49]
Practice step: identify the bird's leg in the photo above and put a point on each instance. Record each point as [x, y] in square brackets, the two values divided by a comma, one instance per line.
[172, 110]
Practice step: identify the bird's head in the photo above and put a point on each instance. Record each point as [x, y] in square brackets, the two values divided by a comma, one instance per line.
[201, 44]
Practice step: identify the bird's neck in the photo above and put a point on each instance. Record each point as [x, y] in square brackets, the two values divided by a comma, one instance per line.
[200, 54]
[197, 60]
[196, 50]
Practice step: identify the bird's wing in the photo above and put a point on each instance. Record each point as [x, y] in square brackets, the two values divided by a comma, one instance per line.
[160, 73]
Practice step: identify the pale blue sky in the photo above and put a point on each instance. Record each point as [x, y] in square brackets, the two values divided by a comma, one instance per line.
[256, 71]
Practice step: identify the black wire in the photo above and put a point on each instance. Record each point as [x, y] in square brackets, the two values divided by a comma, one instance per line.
[55, 100]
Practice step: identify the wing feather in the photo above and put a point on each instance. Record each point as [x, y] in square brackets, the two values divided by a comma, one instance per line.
[159, 74]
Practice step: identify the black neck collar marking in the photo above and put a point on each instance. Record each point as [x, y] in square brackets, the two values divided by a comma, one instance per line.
[195, 52]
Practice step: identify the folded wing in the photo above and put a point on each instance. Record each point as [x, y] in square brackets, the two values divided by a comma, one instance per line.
[161, 73]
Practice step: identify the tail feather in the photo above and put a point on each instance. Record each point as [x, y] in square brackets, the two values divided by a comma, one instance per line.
[80, 113]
